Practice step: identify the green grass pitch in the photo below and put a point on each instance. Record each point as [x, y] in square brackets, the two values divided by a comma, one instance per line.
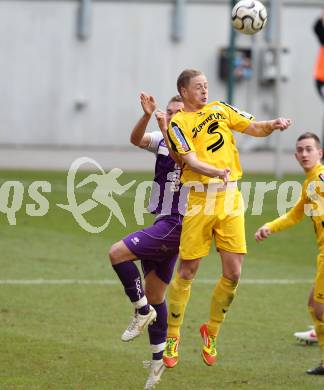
[68, 336]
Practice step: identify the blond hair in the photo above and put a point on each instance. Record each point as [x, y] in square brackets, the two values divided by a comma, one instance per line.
[185, 77]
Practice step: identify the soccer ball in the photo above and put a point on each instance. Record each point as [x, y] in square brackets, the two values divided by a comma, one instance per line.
[249, 17]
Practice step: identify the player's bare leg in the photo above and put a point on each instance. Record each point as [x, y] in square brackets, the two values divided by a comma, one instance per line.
[122, 261]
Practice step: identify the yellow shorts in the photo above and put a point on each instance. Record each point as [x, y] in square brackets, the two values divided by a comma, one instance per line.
[319, 280]
[219, 215]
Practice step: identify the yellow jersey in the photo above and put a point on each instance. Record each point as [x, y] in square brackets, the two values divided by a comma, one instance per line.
[310, 203]
[208, 133]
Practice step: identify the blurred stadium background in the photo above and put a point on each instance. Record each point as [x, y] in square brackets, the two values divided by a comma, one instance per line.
[71, 73]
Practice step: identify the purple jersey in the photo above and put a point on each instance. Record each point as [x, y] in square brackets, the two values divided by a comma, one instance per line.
[165, 195]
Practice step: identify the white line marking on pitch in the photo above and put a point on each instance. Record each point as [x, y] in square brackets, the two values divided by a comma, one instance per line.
[113, 282]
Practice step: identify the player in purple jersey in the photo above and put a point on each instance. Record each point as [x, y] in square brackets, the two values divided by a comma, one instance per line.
[156, 246]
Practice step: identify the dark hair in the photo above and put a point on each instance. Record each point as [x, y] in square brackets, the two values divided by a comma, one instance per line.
[185, 77]
[308, 135]
[176, 98]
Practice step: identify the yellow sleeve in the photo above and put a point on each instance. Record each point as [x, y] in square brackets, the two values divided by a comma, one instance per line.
[238, 120]
[292, 217]
[179, 139]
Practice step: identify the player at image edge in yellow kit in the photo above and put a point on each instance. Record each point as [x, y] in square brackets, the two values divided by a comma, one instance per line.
[308, 154]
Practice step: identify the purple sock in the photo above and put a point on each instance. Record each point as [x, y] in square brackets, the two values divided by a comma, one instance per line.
[131, 280]
[158, 331]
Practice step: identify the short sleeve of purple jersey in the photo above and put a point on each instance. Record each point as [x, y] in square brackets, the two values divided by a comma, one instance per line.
[156, 138]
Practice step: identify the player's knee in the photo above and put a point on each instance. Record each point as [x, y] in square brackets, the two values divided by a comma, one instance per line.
[114, 253]
[233, 274]
[154, 297]
[319, 311]
[188, 269]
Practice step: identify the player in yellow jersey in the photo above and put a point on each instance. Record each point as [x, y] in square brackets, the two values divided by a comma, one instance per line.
[308, 154]
[201, 134]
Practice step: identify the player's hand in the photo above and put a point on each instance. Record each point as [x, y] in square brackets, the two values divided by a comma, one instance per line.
[161, 120]
[224, 174]
[148, 103]
[281, 124]
[262, 233]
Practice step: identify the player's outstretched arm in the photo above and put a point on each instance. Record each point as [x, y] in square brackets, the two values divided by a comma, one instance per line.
[138, 136]
[265, 128]
[205, 169]
[262, 233]
[162, 122]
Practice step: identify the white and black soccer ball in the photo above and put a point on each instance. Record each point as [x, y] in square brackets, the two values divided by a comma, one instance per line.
[249, 16]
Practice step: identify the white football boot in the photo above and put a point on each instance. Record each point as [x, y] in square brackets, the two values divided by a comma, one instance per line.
[309, 336]
[156, 370]
[138, 324]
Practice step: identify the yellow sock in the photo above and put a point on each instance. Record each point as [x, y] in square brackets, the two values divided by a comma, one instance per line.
[178, 295]
[223, 296]
[319, 329]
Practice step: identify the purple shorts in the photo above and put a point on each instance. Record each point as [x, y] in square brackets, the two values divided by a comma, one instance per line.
[157, 246]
